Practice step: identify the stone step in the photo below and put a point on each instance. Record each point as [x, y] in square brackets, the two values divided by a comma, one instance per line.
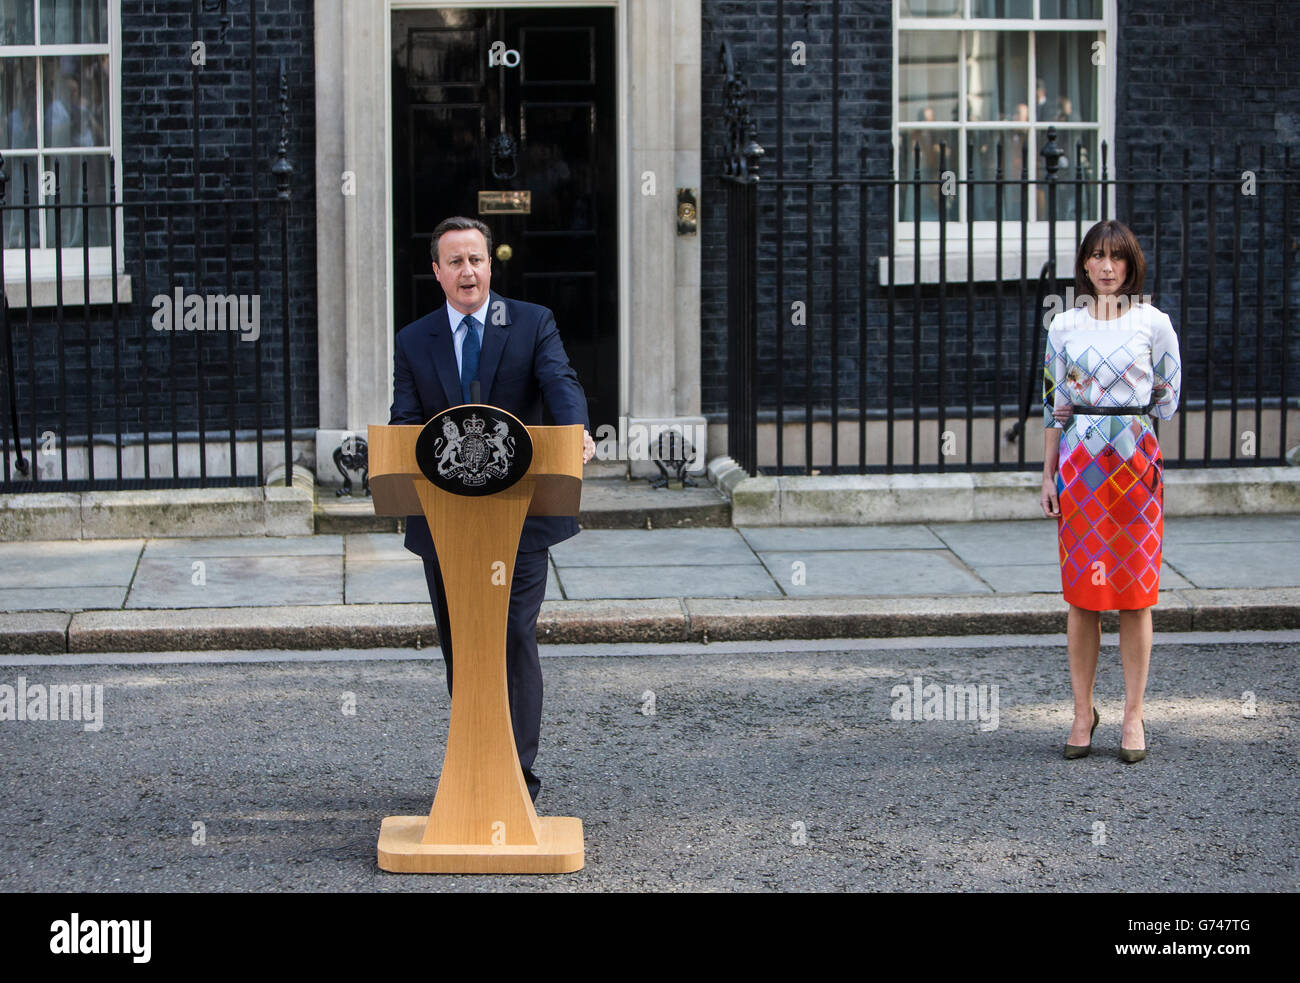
[617, 503]
[607, 503]
[339, 516]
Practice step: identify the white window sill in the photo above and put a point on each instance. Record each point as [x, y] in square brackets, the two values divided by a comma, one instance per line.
[44, 293]
[984, 255]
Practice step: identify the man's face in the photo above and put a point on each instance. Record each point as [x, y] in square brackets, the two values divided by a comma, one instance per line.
[463, 269]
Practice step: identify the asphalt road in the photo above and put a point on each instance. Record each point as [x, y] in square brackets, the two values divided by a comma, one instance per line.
[752, 768]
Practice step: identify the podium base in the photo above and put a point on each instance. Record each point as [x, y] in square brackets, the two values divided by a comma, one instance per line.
[402, 851]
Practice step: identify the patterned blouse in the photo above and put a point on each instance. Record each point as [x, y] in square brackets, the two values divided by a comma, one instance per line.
[1131, 360]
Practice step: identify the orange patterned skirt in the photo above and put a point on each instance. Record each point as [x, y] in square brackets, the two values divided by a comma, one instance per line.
[1111, 526]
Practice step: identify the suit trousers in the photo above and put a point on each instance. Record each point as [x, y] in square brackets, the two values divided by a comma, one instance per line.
[523, 670]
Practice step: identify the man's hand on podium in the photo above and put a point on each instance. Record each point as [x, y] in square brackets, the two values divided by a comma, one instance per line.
[588, 447]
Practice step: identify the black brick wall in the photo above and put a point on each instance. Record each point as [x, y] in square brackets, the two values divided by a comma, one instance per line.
[1196, 75]
[157, 124]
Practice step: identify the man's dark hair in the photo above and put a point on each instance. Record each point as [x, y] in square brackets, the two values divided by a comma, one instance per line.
[459, 223]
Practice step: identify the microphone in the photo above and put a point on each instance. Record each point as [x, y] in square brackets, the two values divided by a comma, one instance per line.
[474, 392]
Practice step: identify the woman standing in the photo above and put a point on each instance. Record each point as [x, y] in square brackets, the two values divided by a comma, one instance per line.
[1111, 365]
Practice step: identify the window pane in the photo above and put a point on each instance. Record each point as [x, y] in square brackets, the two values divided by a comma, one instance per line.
[927, 76]
[983, 198]
[931, 8]
[16, 23]
[1070, 9]
[18, 169]
[74, 21]
[933, 163]
[1081, 163]
[1067, 78]
[18, 100]
[1003, 8]
[70, 185]
[76, 101]
[997, 76]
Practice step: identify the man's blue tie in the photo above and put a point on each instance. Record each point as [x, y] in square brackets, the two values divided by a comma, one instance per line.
[468, 357]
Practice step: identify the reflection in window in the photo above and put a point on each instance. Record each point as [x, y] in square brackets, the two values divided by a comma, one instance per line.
[1080, 164]
[1066, 90]
[1002, 8]
[936, 152]
[977, 89]
[75, 101]
[73, 21]
[997, 76]
[931, 8]
[927, 76]
[54, 103]
[1070, 9]
[983, 153]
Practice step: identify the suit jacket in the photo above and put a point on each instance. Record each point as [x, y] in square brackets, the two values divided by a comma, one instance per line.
[522, 364]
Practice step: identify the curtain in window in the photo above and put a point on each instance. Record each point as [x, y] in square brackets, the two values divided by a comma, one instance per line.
[74, 21]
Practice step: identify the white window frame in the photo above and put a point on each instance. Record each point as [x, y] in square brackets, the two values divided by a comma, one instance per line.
[984, 241]
[44, 264]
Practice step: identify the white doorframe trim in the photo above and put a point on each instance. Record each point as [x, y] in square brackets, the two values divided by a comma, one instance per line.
[657, 78]
[621, 66]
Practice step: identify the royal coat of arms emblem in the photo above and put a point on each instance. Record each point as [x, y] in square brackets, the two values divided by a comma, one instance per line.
[473, 450]
[474, 456]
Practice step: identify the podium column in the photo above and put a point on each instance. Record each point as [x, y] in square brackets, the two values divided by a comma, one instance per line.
[482, 796]
[476, 472]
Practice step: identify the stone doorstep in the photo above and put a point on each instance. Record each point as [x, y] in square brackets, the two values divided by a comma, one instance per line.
[610, 503]
[621, 621]
[607, 503]
[157, 513]
[798, 500]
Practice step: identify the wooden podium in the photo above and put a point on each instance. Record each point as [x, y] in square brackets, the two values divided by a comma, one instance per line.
[482, 820]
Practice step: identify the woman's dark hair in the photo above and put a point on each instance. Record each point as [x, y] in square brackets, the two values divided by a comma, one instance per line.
[1119, 240]
[459, 223]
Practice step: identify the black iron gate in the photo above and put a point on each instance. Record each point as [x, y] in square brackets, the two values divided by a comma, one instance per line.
[852, 352]
[148, 370]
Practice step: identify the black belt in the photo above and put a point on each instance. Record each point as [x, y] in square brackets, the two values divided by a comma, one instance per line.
[1115, 410]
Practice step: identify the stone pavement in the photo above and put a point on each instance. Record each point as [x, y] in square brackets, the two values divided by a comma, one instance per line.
[365, 590]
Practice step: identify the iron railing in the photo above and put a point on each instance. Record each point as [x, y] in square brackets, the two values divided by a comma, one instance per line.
[169, 388]
[854, 346]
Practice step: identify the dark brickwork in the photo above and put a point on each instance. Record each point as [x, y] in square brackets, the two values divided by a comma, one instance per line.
[159, 165]
[1192, 75]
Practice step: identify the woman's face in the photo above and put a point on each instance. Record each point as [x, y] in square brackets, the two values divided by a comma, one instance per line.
[1106, 271]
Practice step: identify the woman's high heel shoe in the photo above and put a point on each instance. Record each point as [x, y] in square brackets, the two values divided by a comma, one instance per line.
[1129, 756]
[1081, 750]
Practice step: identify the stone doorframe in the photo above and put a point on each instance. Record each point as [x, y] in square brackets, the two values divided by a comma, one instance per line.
[659, 271]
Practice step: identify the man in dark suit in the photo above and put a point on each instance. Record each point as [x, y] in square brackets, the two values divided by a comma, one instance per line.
[513, 351]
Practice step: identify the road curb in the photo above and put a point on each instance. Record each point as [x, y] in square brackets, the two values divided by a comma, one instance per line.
[360, 626]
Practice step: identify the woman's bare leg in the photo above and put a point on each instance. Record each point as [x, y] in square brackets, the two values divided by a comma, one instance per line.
[1135, 654]
[1083, 636]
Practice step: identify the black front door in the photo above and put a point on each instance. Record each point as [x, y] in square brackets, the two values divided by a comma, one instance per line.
[514, 100]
